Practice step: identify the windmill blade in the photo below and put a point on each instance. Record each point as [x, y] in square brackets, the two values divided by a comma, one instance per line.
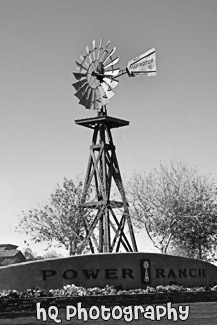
[83, 102]
[96, 95]
[101, 92]
[79, 84]
[111, 82]
[109, 55]
[93, 51]
[79, 94]
[104, 51]
[113, 73]
[88, 54]
[113, 62]
[96, 101]
[85, 97]
[83, 60]
[85, 90]
[103, 98]
[108, 90]
[94, 98]
[94, 44]
[97, 105]
[79, 75]
[87, 64]
[80, 66]
[100, 48]
[90, 99]
[81, 57]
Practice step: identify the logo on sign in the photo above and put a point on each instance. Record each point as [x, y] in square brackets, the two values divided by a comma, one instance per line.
[145, 271]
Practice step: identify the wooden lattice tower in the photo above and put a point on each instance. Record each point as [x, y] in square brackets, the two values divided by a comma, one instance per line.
[110, 217]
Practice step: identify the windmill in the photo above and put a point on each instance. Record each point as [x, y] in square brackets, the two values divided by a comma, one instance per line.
[108, 211]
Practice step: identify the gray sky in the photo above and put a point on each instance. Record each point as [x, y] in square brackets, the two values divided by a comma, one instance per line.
[172, 115]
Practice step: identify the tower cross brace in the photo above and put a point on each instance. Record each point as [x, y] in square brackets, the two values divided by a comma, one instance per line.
[108, 217]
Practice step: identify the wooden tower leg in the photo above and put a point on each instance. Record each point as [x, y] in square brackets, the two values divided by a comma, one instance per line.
[110, 228]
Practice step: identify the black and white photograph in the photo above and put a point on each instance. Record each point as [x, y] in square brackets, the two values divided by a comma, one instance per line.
[108, 169]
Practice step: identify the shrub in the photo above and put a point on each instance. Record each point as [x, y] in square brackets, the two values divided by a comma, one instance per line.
[78, 291]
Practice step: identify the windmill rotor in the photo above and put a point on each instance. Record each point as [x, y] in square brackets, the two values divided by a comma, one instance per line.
[97, 74]
[95, 79]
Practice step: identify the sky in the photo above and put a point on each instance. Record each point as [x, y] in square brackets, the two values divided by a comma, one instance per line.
[172, 115]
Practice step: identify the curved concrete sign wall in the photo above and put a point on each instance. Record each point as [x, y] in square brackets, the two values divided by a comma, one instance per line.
[126, 270]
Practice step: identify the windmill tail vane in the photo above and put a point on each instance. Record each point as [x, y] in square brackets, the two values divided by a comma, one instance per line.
[143, 65]
[97, 74]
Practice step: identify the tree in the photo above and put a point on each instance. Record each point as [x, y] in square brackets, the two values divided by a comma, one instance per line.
[29, 255]
[51, 254]
[32, 256]
[61, 220]
[177, 207]
[6, 261]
